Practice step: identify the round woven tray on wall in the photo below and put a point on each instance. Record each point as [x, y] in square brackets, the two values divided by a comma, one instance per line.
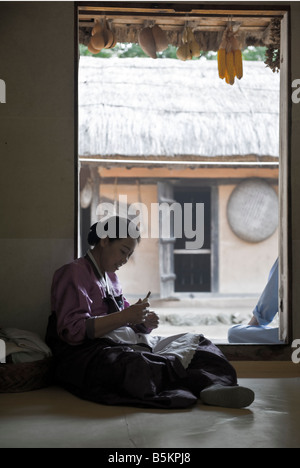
[26, 376]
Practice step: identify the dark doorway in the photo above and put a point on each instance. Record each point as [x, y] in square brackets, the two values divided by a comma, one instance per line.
[193, 267]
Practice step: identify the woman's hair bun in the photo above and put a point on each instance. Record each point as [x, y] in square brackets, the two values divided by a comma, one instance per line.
[114, 228]
[93, 238]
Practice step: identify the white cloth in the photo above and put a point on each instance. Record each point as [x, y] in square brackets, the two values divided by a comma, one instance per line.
[183, 345]
[24, 345]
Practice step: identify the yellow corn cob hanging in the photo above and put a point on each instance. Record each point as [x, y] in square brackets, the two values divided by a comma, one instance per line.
[222, 63]
[226, 77]
[238, 63]
[230, 64]
[230, 67]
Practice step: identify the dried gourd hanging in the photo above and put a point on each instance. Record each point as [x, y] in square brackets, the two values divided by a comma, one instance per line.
[102, 37]
[230, 63]
[190, 47]
[152, 39]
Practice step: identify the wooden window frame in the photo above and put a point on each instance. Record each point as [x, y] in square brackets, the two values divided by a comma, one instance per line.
[238, 352]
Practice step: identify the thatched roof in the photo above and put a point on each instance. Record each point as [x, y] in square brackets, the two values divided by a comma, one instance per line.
[140, 108]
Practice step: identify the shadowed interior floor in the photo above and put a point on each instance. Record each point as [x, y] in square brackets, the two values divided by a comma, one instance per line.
[52, 417]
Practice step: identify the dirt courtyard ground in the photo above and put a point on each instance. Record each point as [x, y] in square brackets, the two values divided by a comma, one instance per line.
[210, 316]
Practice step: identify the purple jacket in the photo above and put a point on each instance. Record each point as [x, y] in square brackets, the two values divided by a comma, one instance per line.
[77, 296]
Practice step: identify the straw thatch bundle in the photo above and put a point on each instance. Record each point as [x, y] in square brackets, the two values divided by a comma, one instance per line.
[167, 108]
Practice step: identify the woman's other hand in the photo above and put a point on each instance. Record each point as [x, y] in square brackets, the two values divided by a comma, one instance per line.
[151, 320]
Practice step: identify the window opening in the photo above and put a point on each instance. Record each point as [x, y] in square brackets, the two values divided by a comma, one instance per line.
[111, 167]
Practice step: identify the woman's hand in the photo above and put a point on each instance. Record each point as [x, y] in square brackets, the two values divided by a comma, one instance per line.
[137, 313]
[133, 315]
[151, 320]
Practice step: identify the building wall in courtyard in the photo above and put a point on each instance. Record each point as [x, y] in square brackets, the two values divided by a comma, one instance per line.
[243, 267]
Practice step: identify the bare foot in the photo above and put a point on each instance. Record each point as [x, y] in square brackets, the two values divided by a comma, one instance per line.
[253, 322]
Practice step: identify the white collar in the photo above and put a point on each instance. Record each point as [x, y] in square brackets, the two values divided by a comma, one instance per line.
[103, 277]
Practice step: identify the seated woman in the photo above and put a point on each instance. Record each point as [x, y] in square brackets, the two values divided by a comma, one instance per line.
[104, 349]
[257, 331]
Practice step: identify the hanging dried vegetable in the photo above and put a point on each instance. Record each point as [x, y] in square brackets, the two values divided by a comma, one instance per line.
[230, 62]
[190, 47]
[102, 37]
[273, 50]
[152, 40]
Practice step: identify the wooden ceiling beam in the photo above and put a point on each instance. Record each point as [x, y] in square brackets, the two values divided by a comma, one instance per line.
[206, 19]
[204, 11]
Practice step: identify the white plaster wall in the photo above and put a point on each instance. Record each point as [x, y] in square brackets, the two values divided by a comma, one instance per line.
[141, 273]
[37, 149]
[243, 267]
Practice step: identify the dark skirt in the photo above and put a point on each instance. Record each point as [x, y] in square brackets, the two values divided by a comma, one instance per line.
[106, 372]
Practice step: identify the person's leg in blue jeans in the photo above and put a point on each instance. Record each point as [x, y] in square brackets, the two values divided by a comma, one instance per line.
[258, 331]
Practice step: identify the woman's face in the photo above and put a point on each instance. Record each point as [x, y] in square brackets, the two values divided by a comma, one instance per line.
[117, 253]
